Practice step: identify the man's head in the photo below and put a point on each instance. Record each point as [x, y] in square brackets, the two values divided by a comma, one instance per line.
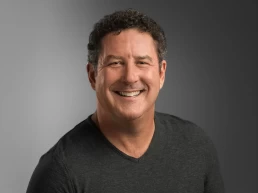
[126, 64]
[122, 20]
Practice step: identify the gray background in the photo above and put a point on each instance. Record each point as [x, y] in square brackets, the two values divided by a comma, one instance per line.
[210, 80]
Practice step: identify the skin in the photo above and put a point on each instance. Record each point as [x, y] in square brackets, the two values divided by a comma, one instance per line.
[127, 62]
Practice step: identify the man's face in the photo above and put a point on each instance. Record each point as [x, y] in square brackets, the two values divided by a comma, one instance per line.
[128, 77]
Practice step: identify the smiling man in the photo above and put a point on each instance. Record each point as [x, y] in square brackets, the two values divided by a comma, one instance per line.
[126, 146]
[127, 81]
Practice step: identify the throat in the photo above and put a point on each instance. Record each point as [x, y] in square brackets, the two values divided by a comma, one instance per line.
[133, 144]
[131, 141]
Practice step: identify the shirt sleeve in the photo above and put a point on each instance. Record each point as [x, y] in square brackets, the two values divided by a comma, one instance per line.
[213, 181]
[50, 176]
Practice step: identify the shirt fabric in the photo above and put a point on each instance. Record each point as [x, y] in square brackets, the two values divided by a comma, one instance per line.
[181, 158]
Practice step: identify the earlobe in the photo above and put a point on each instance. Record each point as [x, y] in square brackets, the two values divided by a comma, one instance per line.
[160, 86]
[162, 73]
[91, 75]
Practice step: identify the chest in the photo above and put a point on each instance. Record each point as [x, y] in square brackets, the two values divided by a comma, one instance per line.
[161, 174]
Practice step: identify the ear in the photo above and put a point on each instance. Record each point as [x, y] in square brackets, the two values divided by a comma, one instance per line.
[163, 68]
[91, 75]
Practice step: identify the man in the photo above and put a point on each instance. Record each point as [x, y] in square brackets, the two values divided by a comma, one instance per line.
[126, 146]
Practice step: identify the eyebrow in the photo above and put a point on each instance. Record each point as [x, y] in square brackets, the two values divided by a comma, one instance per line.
[145, 57]
[109, 57]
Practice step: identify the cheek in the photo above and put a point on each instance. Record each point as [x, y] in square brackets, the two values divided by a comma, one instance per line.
[152, 79]
[100, 82]
[106, 78]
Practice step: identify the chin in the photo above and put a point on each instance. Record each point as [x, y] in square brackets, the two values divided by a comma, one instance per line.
[132, 114]
[129, 115]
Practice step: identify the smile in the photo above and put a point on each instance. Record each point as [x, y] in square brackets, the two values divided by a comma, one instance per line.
[129, 94]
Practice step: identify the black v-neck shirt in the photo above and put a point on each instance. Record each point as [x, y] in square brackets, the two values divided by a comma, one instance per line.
[180, 158]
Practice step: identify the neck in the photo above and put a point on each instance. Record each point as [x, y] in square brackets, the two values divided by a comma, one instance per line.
[130, 136]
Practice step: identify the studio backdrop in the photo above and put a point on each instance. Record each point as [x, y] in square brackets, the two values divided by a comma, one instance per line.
[210, 80]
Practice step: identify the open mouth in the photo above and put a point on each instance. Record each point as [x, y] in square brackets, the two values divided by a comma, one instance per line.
[129, 94]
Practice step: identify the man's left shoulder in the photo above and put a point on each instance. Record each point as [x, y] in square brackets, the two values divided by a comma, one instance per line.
[187, 136]
[181, 127]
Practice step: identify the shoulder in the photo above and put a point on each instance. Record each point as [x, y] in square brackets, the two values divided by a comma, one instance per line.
[57, 167]
[52, 173]
[74, 141]
[185, 132]
[68, 149]
[179, 125]
[193, 148]
[187, 135]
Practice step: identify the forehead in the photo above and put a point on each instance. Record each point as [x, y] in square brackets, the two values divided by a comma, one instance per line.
[128, 42]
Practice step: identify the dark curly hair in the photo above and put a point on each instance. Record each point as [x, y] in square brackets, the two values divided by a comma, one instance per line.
[121, 20]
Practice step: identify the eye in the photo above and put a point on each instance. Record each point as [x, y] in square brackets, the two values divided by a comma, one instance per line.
[142, 62]
[115, 63]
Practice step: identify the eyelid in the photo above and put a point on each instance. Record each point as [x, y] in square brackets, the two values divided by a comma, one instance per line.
[115, 62]
[144, 62]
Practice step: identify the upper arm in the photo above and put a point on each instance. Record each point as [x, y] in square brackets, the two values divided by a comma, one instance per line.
[50, 176]
[213, 181]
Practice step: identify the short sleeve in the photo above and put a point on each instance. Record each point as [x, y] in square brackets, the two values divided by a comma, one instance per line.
[50, 176]
[213, 181]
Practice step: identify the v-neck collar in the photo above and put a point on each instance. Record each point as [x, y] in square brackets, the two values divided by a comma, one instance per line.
[155, 148]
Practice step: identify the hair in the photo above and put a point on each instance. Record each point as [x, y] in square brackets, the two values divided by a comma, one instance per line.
[122, 20]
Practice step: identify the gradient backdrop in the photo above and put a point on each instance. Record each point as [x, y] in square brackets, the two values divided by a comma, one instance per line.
[211, 78]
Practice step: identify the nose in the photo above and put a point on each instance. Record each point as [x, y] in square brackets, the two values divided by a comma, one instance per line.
[130, 73]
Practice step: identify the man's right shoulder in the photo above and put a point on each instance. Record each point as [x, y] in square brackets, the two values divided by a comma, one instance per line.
[55, 169]
[79, 139]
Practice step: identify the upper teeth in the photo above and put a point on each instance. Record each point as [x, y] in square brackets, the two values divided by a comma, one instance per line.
[134, 93]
